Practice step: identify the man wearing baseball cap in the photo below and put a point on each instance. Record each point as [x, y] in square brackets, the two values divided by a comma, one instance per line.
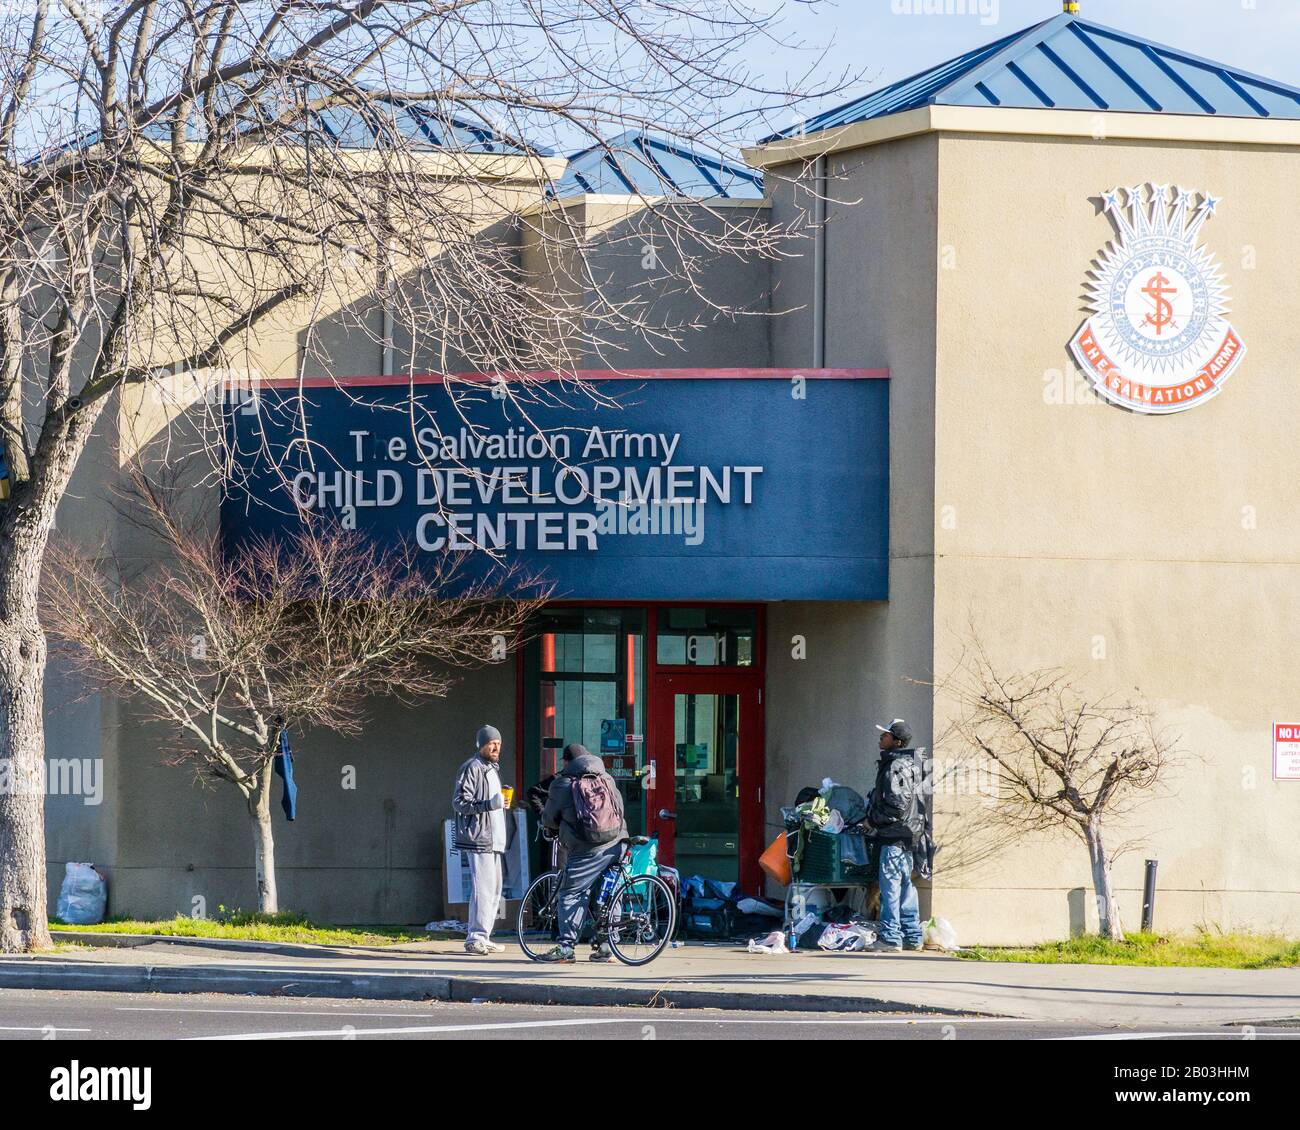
[897, 820]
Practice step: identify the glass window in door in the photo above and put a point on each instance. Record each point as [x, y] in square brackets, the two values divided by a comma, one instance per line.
[706, 741]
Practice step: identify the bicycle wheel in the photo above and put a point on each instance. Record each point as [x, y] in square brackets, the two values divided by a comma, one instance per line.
[538, 925]
[642, 917]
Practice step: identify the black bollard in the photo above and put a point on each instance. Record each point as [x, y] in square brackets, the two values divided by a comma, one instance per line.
[1149, 897]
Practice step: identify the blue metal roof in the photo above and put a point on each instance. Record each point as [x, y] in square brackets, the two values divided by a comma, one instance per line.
[639, 163]
[421, 125]
[379, 123]
[1067, 63]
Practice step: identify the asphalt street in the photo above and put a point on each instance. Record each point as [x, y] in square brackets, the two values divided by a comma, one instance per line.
[55, 1015]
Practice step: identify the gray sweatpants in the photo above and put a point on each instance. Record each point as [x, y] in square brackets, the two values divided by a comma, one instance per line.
[484, 895]
[580, 873]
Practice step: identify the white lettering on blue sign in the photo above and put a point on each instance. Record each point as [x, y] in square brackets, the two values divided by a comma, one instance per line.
[661, 500]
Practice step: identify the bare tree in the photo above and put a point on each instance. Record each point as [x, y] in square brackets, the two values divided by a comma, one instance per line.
[229, 646]
[1062, 759]
[182, 185]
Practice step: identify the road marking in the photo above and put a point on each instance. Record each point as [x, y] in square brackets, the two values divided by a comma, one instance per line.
[580, 1022]
[43, 1028]
[1205, 1035]
[263, 1012]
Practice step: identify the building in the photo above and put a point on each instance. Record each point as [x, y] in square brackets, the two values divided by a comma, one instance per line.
[980, 439]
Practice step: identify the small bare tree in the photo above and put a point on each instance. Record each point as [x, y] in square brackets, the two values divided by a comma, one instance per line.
[1064, 759]
[229, 646]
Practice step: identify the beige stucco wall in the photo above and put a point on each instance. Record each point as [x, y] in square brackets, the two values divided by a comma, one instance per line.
[367, 844]
[833, 670]
[366, 854]
[1156, 555]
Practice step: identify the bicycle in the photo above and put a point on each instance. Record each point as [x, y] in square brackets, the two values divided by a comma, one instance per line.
[635, 918]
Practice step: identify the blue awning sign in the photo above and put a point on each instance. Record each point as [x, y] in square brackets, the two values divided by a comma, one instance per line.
[679, 489]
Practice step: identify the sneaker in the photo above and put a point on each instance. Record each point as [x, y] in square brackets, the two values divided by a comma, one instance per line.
[479, 949]
[914, 947]
[882, 947]
[561, 954]
[601, 953]
[495, 947]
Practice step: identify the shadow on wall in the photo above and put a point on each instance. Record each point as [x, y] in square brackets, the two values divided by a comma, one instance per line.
[631, 264]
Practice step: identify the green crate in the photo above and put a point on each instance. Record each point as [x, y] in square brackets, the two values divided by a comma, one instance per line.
[821, 862]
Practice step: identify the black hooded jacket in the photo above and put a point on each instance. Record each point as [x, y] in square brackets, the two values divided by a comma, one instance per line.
[896, 806]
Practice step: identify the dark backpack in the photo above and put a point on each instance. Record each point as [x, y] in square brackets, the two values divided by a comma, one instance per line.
[595, 808]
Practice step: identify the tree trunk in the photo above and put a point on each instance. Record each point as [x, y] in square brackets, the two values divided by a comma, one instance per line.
[1107, 907]
[259, 811]
[26, 520]
[23, 921]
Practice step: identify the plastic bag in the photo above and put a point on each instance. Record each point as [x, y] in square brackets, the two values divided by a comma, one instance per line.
[644, 858]
[772, 943]
[83, 896]
[850, 937]
[758, 906]
[775, 861]
[835, 823]
[801, 926]
[446, 926]
[813, 813]
[939, 935]
[717, 889]
[816, 899]
[844, 800]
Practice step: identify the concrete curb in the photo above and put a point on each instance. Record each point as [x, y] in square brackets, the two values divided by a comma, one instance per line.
[238, 945]
[86, 976]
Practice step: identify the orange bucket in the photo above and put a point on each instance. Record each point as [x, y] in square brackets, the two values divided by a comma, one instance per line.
[775, 862]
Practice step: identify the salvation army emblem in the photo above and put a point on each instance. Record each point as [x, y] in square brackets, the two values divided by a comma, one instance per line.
[1158, 339]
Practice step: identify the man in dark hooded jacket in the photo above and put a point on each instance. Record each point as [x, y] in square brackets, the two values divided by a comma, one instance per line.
[587, 861]
[896, 814]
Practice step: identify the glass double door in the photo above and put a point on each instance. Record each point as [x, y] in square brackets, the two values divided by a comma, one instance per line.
[705, 783]
[586, 669]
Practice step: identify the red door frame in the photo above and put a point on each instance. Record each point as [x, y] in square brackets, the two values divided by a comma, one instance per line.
[749, 679]
[747, 686]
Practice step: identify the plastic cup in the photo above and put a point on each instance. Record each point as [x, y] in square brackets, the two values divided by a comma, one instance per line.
[507, 795]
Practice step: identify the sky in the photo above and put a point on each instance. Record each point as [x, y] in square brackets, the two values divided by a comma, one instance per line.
[885, 40]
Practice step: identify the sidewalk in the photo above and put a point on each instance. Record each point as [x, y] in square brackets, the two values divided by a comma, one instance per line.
[697, 975]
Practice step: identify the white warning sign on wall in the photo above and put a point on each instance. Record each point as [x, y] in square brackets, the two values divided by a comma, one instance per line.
[1286, 751]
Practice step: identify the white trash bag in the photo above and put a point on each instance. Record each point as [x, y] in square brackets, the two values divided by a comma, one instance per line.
[939, 935]
[772, 943]
[849, 937]
[83, 896]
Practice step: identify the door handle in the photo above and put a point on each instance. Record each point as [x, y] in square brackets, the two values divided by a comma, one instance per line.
[664, 814]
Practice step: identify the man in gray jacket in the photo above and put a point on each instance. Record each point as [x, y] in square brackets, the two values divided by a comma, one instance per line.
[587, 860]
[481, 834]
